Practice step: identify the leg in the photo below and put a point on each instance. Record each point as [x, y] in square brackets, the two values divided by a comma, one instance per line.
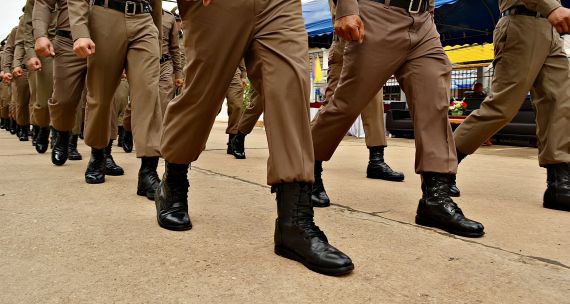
[249, 118]
[234, 97]
[166, 84]
[44, 90]
[108, 31]
[425, 78]
[277, 64]
[190, 116]
[552, 102]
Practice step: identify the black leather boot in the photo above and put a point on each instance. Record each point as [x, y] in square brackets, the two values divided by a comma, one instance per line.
[148, 177]
[42, 140]
[437, 209]
[298, 238]
[453, 189]
[111, 168]
[35, 132]
[13, 127]
[319, 195]
[59, 152]
[379, 169]
[557, 195]
[24, 133]
[238, 145]
[2, 126]
[72, 149]
[172, 199]
[120, 137]
[95, 173]
[128, 141]
[52, 137]
[230, 150]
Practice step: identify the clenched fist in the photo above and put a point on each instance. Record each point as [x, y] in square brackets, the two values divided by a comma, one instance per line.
[84, 47]
[350, 28]
[44, 47]
[560, 19]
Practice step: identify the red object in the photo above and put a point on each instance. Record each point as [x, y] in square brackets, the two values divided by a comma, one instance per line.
[464, 105]
[315, 105]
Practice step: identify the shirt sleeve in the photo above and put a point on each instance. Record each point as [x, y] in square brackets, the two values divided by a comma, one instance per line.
[174, 50]
[41, 17]
[544, 7]
[79, 18]
[346, 8]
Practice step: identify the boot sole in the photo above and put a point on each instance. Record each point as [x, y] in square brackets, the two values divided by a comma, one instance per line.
[173, 228]
[95, 181]
[428, 223]
[390, 179]
[112, 173]
[288, 254]
[74, 158]
[142, 192]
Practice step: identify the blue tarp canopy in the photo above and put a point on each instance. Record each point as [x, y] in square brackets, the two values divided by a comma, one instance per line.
[458, 21]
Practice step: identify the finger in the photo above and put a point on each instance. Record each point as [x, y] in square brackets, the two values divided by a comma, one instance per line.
[206, 2]
[361, 31]
[354, 35]
[51, 50]
[92, 48]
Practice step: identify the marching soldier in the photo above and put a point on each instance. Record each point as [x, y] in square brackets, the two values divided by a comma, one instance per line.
[531, 59]
[69, 82]
[41, 77]
[272, 37]
[171, 62]
[234, 98]
[249, 117]
[401, 39]
[116, 35]
[372, 120]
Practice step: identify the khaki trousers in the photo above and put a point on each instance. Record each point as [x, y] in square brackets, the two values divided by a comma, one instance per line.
[120, 101]
[44, 89]
[251, 114]
[79, 116]
[166, 84]
[129, 42]
[5, 97]
[23, 97]
[234, 97]
[373, 113]
[33, 94]
[69, 72]
[127, 118]
[408, 47]
[272, 36]
[13, 99]
[531, 58]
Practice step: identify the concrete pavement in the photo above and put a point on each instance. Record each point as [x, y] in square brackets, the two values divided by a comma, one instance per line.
[63, 241]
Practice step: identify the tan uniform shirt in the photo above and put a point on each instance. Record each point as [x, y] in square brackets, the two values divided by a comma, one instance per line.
[44, 14]
[8, 56]
[544, 7]
[79, 17]
[170, 43]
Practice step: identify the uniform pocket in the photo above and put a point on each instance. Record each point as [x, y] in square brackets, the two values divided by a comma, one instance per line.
[500, 38]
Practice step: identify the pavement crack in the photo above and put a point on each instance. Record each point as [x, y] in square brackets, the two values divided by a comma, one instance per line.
[378, 214]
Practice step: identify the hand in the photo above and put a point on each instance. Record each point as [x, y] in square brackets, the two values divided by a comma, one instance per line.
[560, 19]
[34, 64]
[7, 78]
[84, 47]
[18, 72]
[206, 2]
[179, 82]
[243, 83]
[44, 47]
[350, 28]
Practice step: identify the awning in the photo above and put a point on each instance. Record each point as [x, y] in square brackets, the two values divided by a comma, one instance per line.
[465, 54]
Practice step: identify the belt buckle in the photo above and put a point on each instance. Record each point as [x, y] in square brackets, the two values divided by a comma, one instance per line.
[411, 9]
[128, 6]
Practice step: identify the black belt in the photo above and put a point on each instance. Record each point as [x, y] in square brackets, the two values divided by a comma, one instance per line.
[64, 34]
[520, 10]
[128, 7]
[412, 6]
[165, 58]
